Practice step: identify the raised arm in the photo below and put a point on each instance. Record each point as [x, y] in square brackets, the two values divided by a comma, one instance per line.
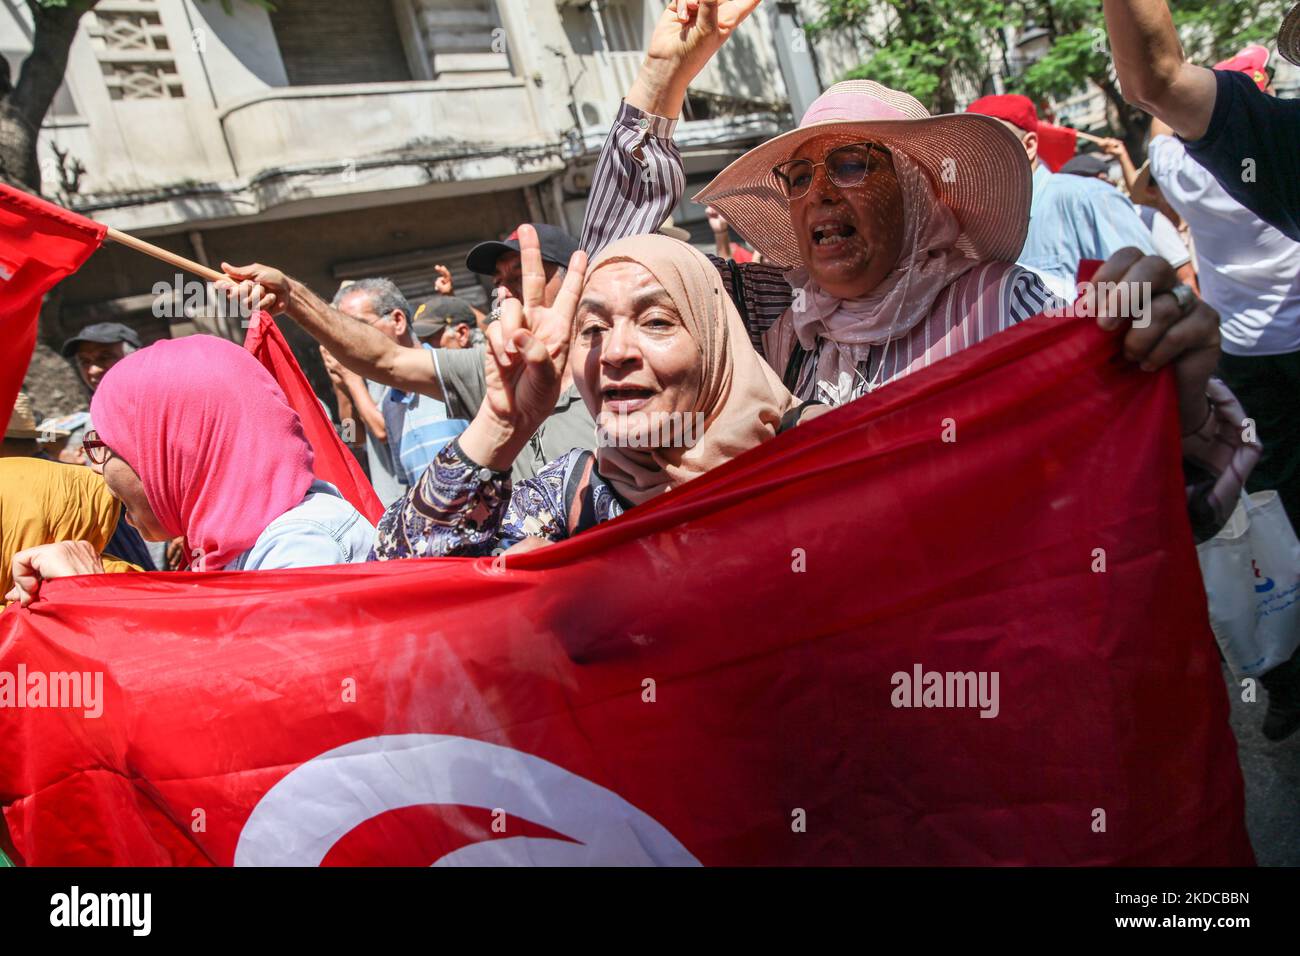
[1153, 72]
[639, 176]
[350, 388]
[365, 350]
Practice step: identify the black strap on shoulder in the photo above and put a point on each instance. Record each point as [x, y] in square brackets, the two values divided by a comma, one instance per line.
[579, 506]
[791, 377]
[791, 418]
[738, 290]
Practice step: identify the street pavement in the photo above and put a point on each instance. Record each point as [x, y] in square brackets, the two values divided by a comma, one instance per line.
[1272, 772]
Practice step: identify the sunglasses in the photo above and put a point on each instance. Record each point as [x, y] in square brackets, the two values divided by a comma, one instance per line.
[96, 451]
[845, 165]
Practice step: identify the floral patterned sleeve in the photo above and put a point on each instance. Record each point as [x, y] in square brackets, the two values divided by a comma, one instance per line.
[460, 509]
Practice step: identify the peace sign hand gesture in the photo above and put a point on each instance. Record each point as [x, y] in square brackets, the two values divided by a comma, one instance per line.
[691, 31]
[686, 37]
[527, 350]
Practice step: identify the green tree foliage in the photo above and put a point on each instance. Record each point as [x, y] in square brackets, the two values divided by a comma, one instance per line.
[921, 45]
[924, 47]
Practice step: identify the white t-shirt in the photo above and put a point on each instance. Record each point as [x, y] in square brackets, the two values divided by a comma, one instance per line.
[1247, 270]
[1164, 234]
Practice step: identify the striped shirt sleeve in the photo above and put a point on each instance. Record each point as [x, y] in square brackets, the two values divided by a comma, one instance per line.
[639, 179]
[764, 296]
[1028, 296]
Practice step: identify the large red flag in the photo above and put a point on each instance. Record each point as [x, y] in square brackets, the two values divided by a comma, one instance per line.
[333, 462]
[1056, 144]
[40, 244]
[741, 671]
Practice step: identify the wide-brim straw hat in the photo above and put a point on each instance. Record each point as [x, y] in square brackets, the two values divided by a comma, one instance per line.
[976, 166]
[673, 231]
[22, 423]
[1288, 37]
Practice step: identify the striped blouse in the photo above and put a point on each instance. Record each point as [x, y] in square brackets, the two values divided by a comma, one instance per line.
[989, 298]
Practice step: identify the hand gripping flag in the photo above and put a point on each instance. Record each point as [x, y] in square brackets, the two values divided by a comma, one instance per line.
[756, 668]
[40, 244]
[333, 462]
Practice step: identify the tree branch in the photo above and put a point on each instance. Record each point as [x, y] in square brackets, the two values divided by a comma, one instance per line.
[43, 70]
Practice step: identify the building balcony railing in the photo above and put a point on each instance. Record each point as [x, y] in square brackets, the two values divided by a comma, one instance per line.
[297, 125]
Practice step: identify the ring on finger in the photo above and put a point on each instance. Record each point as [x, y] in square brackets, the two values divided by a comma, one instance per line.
[1184, 296]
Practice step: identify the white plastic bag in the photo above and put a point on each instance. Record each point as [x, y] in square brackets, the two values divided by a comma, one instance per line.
[1252, 578]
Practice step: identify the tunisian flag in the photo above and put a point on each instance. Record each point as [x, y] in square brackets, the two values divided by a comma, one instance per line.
[739, 672]
[333, 462]
[1056, 145]
[40, 244]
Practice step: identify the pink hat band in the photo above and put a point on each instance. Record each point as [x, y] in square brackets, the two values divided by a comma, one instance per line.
[856, 101]
[850, 108]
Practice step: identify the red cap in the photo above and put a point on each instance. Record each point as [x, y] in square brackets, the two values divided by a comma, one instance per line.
[1015, 109]
[1250, 61]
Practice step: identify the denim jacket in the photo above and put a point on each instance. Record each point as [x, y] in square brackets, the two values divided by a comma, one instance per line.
[322, 529]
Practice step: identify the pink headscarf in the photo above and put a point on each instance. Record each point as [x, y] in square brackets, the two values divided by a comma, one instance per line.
[218, 449]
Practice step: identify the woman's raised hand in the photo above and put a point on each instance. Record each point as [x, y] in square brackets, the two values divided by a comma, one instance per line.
[686, 37]
[528, 348]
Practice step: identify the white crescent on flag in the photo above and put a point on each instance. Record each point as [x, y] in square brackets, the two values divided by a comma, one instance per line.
[300, 819]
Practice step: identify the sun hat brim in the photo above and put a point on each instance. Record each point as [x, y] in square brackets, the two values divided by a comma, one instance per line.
[976, 165]
[1288, 37]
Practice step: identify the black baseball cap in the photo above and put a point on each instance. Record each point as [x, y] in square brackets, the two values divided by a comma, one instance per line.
[102, 333]
[442, 312]
[557, 248]
[1088, 164]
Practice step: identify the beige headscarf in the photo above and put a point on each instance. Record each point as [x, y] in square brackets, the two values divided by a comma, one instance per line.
[741, 399]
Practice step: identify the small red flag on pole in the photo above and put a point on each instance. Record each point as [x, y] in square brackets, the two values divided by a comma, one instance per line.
[333, 462]
[1056, 144]
[40, 244]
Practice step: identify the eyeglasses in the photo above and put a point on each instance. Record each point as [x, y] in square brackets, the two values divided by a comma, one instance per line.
[96, 451]
[846, 165]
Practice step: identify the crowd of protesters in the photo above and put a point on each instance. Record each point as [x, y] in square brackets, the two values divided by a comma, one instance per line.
[864, 260]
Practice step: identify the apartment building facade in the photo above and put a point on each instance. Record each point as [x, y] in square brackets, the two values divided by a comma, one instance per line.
[337, 139]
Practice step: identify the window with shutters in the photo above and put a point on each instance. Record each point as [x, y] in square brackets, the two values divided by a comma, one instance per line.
[457, 37]
[326, 42]
[610, 26]
[130, 43]
[412, 272]
[623, 27]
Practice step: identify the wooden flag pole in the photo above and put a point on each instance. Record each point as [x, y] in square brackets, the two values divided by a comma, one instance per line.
[1089, 137]
[171, 258]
